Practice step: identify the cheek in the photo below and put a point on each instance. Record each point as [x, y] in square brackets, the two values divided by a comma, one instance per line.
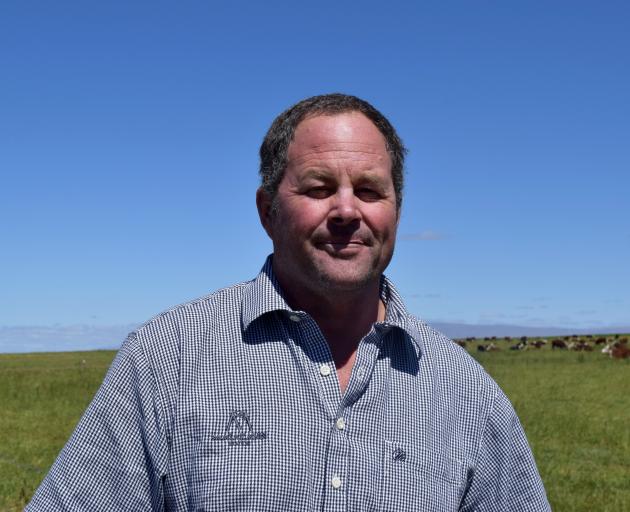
[304, 218]
[383, 221]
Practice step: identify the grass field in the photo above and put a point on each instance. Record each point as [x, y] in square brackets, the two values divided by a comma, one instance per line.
[42, 397]
[575, 408]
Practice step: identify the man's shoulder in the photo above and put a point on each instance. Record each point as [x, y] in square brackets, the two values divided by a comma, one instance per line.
[220, 306]
[449, 360]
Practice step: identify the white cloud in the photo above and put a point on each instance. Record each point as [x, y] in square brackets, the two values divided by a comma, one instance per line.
[424, 235]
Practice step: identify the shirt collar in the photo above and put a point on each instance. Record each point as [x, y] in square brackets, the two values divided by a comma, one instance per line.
[263, 295]
[396, 314]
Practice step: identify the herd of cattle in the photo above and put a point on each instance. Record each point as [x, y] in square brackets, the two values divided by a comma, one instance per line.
[614, 346]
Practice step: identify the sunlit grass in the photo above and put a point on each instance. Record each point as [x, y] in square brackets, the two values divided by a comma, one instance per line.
[575, 408]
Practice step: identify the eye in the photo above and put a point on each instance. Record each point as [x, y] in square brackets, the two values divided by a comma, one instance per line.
[368, 194]
[318, 192]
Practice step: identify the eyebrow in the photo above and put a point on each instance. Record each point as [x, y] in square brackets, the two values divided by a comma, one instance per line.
[372, 179]
[318, 174]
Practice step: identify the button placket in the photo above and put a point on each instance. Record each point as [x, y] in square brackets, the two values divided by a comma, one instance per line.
[324, 370]
[366, 358]
[337, 471]
[315, 355]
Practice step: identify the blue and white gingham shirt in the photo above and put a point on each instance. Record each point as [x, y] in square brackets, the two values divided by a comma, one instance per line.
[231, 402]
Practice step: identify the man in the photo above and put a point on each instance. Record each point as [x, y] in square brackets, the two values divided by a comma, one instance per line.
[310, 387]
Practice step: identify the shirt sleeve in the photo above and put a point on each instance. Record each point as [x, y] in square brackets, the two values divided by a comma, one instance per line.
[116, 457]
[505, 476]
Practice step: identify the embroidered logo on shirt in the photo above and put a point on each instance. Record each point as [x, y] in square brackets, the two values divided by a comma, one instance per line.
[399, 455]
[239, 430]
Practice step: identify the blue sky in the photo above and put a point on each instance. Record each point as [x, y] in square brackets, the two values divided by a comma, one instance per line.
[129, 134]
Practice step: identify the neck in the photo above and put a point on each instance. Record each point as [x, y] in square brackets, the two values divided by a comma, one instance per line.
[343, 316]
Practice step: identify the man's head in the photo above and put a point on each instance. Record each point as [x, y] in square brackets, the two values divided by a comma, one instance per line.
[334, 211]
[275, 146]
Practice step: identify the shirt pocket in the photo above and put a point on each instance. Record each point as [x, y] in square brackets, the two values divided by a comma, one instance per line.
[235, 477]
[420, 480]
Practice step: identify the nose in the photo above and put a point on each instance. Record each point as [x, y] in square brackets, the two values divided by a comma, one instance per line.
[344, 208]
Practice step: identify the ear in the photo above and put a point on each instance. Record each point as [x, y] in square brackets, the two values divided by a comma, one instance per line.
[263, 203]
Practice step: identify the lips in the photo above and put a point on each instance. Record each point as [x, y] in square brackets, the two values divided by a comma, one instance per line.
[342, 239]
[341, 245]
[343, 242]
[344, 249]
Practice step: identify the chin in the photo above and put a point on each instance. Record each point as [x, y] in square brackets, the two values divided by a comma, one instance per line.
[358, 270]
[346, 281]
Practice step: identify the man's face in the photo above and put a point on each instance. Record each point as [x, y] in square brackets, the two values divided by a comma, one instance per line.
[333, 221]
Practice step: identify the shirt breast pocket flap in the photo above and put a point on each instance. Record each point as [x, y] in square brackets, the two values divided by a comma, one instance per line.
[414, 476]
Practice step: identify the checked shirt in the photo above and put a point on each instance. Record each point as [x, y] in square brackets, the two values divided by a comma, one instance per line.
[231, 402]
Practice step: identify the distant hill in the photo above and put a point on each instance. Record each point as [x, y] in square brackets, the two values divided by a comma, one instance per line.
[453, 330]
[57, 338]
[94, 337]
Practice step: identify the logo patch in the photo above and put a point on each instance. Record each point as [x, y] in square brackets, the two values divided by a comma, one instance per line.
[399, 455]
[239, 430]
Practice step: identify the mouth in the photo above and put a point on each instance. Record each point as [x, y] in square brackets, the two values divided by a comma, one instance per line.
[344, 242]
[341, 247]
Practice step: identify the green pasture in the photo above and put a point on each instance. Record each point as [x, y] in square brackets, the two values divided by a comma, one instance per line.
[575, 407]
[42, 396]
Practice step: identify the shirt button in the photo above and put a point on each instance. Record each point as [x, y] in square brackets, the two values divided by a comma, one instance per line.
[295, 318]
[336, 482]
[340, 423]
[324, 370]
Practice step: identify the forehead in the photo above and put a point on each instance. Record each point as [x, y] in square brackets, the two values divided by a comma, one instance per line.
[346, 132]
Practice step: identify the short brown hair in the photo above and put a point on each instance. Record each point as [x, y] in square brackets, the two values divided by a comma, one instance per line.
[275, 146]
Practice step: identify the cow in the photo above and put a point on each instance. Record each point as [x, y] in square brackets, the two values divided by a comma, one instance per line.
[558, 343]
[620, 352]
[600, 341]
